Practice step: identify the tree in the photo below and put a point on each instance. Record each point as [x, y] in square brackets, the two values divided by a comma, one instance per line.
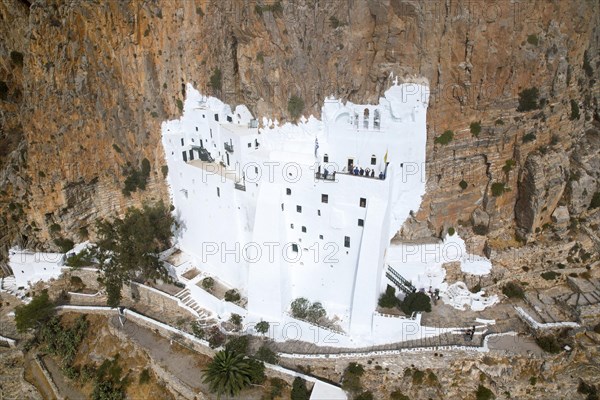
[528, 99]
[299, 308]
[236, 320]
[262, 327]
[299, 390]
[228, 373]
[267, 355]
[31, 315]
[315, 312]
[416, 302]
[388, 299]
[232, 296]
[208, 283]
[238, 345]
[444, 138]
[129, 248]
[484, 393]
[351, 377]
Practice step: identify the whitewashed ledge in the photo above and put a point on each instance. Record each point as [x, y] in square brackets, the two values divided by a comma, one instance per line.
[540, 326]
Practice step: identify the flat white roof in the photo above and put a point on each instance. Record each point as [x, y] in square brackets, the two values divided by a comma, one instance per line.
[239, 129]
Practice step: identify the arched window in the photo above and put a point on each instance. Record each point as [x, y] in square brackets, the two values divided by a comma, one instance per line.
[376, 120]
[366, 118]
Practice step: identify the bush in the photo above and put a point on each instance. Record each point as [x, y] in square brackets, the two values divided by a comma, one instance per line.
[277, 386]
[528, 99]
[463, 184]
[238, 345]
[508, 166]
[530, 137]
[550, 275]
[63, 341]
[81, 259]
[548, 344]
[498, 189]
[315, 312]
[334, 22]
[351, 377]
[197, 330]
[216, 80]
[295, 107]
[165, 171]
[216, 338]
[17, 58]
[262, 327]
[416, 302]
[366, 395]
[499, 121]
[480, 230]
[444, 138]
[388, 299]
[232, 296]
[54, 228]
[475, 128]
[236, 320]
[39, 310]
[513, 290]
[484, 393]
[299, 308]
[136, 178]
[574, 110]
[3, 90]
[398, 395]
[299, 390]
[451, 231]
[117, 148]
[179, 104]
[267, 355]
[208, 283]
[533, 39]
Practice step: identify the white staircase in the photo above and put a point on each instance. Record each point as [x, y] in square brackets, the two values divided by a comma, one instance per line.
[186, 298]
[9, 285]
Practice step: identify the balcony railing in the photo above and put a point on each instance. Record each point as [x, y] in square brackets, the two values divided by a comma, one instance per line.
[228, 147]
[240, 186]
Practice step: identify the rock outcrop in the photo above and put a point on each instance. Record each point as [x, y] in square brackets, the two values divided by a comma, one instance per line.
[97, 79]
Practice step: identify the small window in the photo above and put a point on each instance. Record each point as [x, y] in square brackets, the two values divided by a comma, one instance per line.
[217, 117]
[325, 157]
[321, 237]
[249, 145]
[363, 202]
[346, 241]
[294, 247]
[196, 129]
[256, 170]
[182, 143]
[218, 192]
[292, 226]
[299, 209]
[288, 191]
[203, 115]
[303, 229]
[324, 198]
[281, 206]
[191, 155]
[373, 160]
[184, 154]
[211, 133]
[361, 222]
[319, 213]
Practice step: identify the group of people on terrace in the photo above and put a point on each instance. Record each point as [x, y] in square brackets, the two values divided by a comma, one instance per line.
[353, 170]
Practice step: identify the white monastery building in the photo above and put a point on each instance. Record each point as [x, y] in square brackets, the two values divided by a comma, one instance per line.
[307, 210]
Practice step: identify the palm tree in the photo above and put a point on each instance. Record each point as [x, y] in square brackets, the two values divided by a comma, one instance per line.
[228, 373]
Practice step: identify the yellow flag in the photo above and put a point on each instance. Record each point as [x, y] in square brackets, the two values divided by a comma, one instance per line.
[385, 157]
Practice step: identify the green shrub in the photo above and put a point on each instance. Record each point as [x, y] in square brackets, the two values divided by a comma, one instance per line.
[463, 184]
[299, 390]
[398, 395]
[238, 345]
[499, 121]
[179, 104]
[197, 330]
[451, 231]
[574, 110]
[444, 138]
[508, 166]
[315, 312]
[117, 148]
[208, 283]
[199, 12]
[260, 57]
[550, 275]
[39, 310]
[17, 58]
[334, 22]
[498, 189]
[216, 338]
[262, 327]
[144, 376]
[82, 259]
[3, 90]
[388, 299]
[533, 380]
[484, 393]
[475, 128]
[267, 355]
[533, 39]
[587, 66]
[351, 377]
[275, 8]
[295, 107]
[595, 200]
[216, 80]
[136, 178]
[529, 137]
[549, 344]
[277, 386]
[299, 308]
[232, 296]
[366, 395]
[513, 290]
[55, 228]
[528, 99]
[236, 320]
[416, 302]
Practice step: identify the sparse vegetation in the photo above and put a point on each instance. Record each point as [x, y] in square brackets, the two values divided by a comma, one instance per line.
[3, 90]
[499, 121]
[208, 283]
[262, 327]
[528, 99]
[63, 341]
[82, 259]
[236, 320]
[238, 345]
[508, 166]
[109, 385]
[301, 308]
[334, 22]
[117, 148]
[260, 57]
[144, 376]
[267, 355]
[550, 275]
[398, 395]
[595, 203]
[463, 184]
[533, 39]
[351, 377]
[232, 296]
[295, 107]
[17, 58]
[299, 390]
[416, 302]
[549, 344]
[64, 244]
[451, 231]
[444, 138]
[216, 80]
[164, 170]
[136, 178]
[513, 290]
[37, 312]
[529, 137]
[179, 104]
[498, 189]
[484, 393]
[475, 128]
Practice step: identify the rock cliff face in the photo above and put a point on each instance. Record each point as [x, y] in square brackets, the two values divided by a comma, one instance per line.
[97, 79]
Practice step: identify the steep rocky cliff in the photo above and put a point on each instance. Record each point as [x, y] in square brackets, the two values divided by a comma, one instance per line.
[97, 78]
